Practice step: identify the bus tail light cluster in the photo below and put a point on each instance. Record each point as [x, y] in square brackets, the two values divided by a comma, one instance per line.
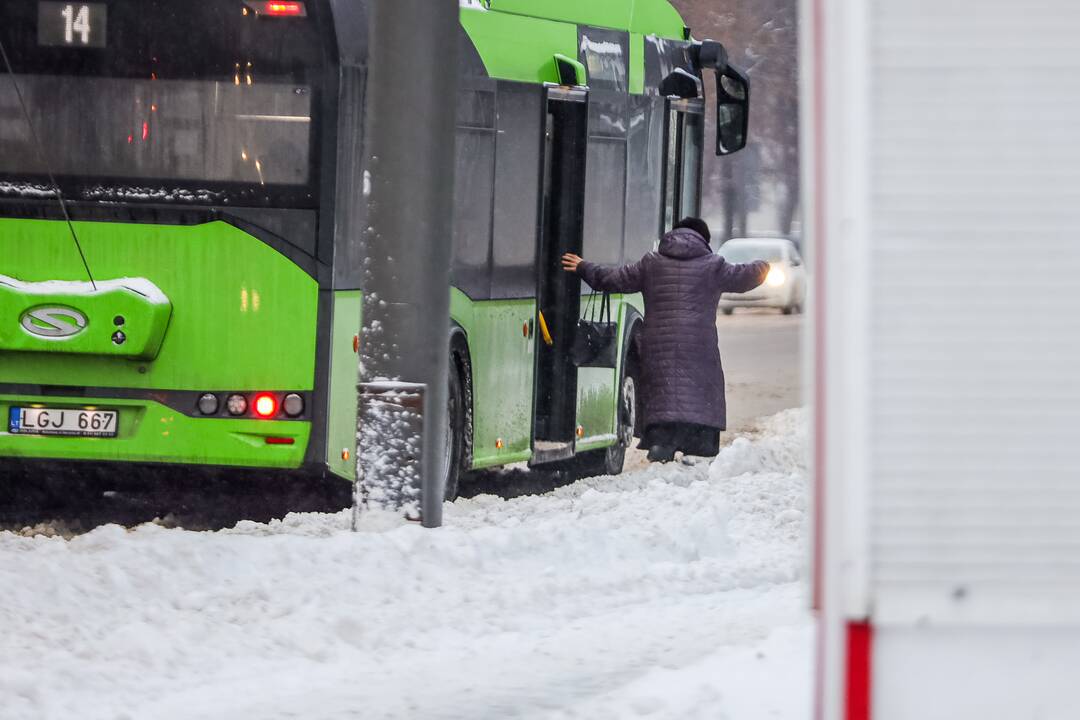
[263, 405]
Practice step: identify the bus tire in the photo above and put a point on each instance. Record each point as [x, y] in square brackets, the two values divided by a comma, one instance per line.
[615, 455]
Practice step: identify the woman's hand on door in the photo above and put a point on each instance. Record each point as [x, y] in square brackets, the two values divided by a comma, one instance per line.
[570, 262]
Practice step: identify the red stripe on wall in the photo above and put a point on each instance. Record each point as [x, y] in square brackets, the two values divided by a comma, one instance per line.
[860, 638]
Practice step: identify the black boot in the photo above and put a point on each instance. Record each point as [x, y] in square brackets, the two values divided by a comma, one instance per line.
[661, 453]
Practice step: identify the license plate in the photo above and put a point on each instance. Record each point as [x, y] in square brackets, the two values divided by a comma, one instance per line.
[62, 421]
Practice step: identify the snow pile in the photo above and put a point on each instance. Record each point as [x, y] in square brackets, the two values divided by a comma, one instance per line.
[765, 480]
[673, 592]
[779, 446]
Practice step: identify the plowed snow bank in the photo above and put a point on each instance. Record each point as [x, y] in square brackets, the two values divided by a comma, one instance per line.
[673, 592]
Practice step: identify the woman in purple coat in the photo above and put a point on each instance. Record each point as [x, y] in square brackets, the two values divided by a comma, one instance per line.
[682, 393]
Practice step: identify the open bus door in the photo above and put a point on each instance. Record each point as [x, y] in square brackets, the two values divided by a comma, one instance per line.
[562, 213]
[684, 133]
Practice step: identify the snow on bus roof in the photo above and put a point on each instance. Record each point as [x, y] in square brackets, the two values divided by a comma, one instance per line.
[601, 47]
[26, 189]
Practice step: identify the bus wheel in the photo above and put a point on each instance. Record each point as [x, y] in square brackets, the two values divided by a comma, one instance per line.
[454, 451]
[615, 456]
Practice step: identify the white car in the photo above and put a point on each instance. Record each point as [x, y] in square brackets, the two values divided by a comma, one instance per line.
[785, 286]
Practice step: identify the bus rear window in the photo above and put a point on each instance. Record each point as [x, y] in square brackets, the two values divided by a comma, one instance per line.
[183, 100]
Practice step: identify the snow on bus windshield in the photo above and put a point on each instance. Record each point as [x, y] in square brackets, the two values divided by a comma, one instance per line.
[146, 110]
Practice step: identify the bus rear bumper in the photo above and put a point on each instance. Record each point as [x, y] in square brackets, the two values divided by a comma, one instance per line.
[150, 432]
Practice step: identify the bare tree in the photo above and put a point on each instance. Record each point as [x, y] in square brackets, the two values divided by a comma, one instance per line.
[762, 37]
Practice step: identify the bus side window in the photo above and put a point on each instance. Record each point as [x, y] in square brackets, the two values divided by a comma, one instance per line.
[474, 184]
[517, 185]
[604, 53]
[683, 141]
[644, 176]
[671, 172]
[605, 178]
[693, 132]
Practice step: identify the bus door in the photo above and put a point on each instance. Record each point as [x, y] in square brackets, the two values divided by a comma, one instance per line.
[558, 295]
[684, 134]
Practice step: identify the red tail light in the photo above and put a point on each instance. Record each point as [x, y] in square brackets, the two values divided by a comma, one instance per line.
[277, 440]
[265, 405]
[278, 8]
[293, 9]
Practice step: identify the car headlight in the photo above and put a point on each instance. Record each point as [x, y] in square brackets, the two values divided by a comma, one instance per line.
[775, 278]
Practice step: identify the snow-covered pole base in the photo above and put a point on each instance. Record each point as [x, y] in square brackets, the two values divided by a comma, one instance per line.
[409, 144]
[389, 437]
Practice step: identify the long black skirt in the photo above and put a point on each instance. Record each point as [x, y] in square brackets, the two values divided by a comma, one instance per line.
[688, 438]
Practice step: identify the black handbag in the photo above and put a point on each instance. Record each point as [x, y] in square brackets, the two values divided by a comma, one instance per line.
[596, 340]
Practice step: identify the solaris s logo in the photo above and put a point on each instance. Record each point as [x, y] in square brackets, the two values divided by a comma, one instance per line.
[53, 321]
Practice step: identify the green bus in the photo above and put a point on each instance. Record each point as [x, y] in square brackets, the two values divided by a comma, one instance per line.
[194, 299]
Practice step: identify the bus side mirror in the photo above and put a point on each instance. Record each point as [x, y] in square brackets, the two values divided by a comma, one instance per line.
[732, 110]
[732, 96]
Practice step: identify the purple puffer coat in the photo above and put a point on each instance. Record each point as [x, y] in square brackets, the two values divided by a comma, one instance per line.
[681, 376]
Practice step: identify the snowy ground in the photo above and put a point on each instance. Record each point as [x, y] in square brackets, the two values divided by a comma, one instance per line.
[670, 592]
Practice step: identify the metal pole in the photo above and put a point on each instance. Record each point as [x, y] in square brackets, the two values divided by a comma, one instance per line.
[412, 76]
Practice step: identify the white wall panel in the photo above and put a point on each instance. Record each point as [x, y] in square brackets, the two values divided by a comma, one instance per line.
[974, 325]
[965, 674]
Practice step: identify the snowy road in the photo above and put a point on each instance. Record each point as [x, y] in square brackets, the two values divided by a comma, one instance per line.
[761, 350]
[670, 592]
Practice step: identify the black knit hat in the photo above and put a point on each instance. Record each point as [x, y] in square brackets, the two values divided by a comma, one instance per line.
[697, 225]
